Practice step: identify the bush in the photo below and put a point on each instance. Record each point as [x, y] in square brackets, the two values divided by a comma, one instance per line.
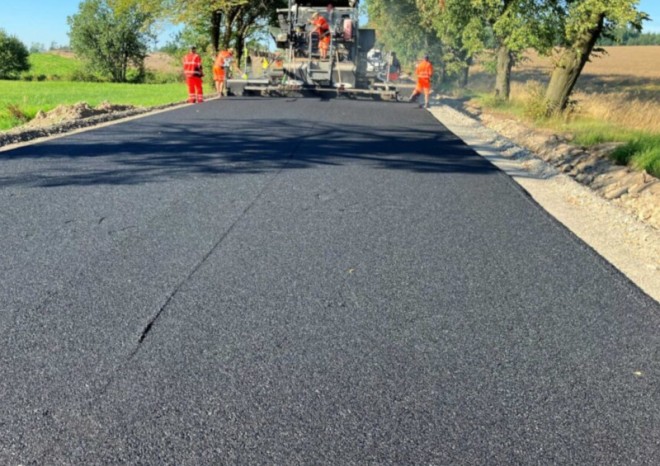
[13, 56]
[535, 105]
[643, 153]
[84, 76]
[27, 77]
[162, 78]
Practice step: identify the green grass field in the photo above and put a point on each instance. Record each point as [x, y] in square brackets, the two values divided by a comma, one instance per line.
[50, 66]
[27, 98]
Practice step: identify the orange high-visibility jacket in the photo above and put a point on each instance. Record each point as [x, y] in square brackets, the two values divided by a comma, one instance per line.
[221, 59]
[322, 27]
[424, 70]
[192, 65]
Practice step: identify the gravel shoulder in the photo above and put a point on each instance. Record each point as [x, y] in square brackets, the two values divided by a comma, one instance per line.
[628, 243]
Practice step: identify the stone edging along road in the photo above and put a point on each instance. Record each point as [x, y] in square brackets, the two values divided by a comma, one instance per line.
[627, 243]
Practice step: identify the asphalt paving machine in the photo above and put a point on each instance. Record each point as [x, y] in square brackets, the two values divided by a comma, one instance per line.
[298, 66]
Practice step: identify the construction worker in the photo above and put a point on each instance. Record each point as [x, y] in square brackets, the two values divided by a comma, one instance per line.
[192, 68]
[220, 70]
[394, 68]
[322, 28]
[278, 61]
[265, 65]
[424, 72]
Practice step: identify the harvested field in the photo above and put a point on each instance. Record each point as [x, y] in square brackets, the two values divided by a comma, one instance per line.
[634, 63]
[620, 86]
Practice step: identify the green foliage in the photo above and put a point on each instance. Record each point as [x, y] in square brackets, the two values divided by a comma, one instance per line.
[534, 106]
[221, 22]
[642, 152]
[13, 56]
[400, 28]
[583, 23]
[111, 39]
[581, 15]
[152, 77]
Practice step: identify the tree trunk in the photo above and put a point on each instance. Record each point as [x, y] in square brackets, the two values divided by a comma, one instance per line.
[464, 76]
[241, 29]
[240, 45]
[216, 21]
[503, 77]
[230, 17]
[570, 66]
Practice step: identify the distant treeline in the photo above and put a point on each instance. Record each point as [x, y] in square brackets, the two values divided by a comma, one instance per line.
[631, 37]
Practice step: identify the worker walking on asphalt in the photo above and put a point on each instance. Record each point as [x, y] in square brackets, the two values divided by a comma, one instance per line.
[424, 72]
[192, 68]
[322, 28]
[220, 70]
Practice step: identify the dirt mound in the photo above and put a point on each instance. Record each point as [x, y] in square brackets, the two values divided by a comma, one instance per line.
[81, 110]
[65, 118]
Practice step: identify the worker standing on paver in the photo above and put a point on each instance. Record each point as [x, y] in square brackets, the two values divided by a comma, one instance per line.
[265, 64]
[424, 73]
[192, 68]
[322, 28]
[220, 70]
[394, 68]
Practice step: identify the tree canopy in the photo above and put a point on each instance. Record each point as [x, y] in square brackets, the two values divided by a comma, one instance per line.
[465, 29]
[14, 56]
[111, 36]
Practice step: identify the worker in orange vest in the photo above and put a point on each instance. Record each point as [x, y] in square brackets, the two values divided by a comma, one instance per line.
[424, 72]
[220, 69]
[278, 61]
[322, 28]
[192, 68]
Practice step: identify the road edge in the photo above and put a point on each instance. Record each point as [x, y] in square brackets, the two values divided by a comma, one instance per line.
[628, 244]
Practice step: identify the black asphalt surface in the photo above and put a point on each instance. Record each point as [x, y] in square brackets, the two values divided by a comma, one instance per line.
[282, 281]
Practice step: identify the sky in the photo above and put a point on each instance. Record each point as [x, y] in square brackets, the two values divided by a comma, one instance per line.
[44, 21]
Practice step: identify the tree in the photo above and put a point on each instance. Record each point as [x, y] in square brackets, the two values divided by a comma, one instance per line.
[400, 28]
[468, 27]
[111, 37]
[37, 47]
[13, 56]
[584, 22]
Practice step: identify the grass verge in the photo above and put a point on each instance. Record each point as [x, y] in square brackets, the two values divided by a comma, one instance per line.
[641, 149]
[21, 100]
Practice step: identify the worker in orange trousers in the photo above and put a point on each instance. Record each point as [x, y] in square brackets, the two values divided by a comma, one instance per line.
[322, 28]
[424, 73]
[192, 68]
[220, 68]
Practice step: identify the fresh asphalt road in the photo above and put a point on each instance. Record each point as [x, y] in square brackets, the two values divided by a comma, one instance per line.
[306, 282]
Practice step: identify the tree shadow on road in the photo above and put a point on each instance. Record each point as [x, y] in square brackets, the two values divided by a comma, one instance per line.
[170, 146]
